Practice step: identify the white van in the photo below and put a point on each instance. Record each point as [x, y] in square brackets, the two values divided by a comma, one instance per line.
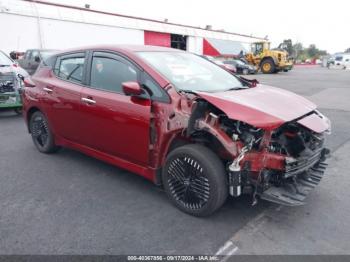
[342, 60]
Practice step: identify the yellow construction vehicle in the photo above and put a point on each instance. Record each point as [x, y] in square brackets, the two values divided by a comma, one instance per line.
[267, 60]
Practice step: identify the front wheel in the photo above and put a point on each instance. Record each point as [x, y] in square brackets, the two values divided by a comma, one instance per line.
[42, 136]
[195, 180]
[268, 66]
[245, 71]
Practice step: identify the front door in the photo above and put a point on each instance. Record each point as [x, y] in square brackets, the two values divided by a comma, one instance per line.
[112, 122]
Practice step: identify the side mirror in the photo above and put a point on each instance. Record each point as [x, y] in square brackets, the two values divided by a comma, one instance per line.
[37, 59]
[132, 88]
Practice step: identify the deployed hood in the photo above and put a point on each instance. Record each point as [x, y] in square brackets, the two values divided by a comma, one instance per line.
[263, 106]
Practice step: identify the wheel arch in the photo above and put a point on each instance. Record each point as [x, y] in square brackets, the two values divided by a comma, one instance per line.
[202, 137]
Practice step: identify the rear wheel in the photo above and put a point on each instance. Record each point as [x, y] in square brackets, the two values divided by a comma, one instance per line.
[194, 179]
[245, 71]
[268, 66]
[41, 134]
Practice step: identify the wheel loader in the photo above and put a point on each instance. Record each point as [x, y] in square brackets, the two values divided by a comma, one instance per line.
[267, 60]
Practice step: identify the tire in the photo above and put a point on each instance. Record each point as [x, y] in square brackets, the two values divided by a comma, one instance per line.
[195, 180]
[267, 66]
[42, 135]
[245, 71]
[18, 110]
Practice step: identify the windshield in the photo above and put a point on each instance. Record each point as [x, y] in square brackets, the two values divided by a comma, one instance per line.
[5, 60]
[190, 72]
[339, 58]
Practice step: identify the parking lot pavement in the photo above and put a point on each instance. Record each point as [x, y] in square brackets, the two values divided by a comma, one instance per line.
[68, 203]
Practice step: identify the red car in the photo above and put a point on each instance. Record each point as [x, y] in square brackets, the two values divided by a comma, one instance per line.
[179, 121]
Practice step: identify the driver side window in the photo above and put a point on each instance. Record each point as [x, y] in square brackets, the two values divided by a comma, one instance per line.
[108, 74]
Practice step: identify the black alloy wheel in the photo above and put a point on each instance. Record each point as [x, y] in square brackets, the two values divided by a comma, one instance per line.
[195, 180]
[41, 134]
[187, 182]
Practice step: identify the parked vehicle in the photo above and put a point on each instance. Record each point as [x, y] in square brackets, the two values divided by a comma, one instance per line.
[241, 67]
[10, 84]
[232, 69]
[32, 59]
[179, 121]
[342, 60]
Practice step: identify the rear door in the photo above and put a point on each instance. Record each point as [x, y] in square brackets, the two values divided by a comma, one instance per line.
[112, 122]
[62, 95]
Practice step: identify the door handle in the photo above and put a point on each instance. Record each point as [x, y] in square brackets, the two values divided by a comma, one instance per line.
[88, 100]
[47, 90]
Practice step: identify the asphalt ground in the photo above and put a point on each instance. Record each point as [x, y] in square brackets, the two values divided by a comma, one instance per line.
[69, 203]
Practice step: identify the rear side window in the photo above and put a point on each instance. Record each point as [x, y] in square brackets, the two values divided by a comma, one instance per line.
[109, 74]
[70, 68]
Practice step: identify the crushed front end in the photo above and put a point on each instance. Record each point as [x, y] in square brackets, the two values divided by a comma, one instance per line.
[281, 165]
[10, 87]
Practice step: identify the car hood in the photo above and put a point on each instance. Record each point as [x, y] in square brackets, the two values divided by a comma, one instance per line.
[263, 106]
[6, 70]
[10, 70]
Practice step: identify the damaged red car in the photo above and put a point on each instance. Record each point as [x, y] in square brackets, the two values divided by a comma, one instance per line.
[180, 121]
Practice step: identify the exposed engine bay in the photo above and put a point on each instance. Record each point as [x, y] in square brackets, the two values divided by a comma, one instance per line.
[10, 86]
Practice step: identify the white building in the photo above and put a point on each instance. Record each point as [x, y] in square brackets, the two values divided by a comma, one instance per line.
[27, 24]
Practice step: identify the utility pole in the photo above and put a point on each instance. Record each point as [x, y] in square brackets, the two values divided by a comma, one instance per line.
[41, 45]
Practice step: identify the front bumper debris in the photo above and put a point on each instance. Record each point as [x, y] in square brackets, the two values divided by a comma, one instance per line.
[295, 193]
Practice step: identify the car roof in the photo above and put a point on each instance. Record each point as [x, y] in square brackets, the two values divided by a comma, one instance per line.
[124, 48]
[130, 52]
[41, 50]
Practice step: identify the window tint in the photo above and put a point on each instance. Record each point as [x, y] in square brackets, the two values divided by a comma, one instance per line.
[70, 68]
[156, 92]
[109, 74]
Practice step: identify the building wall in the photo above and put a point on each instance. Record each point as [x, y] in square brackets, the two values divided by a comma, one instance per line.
[19, 33]
[23, 33]
[34, 25]
[158, 39]
[195, 44]
[64, 34]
